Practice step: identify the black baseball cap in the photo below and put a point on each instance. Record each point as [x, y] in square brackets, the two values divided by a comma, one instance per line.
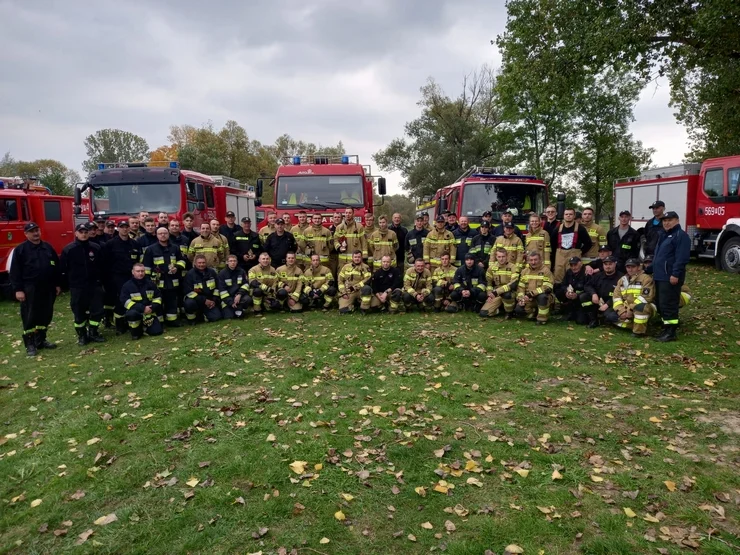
[604, 248]
[419, 218]
[230, 214]
[485, 223]
[669, 215]
[470, 256]
[110, 223]
[100, 219]
[509, 212]
[610, 258]
[30, 226]
[625, 213]
[123, 223]
[439, 218]
[574, 260]
[280, 221]
[632, 262]
[81, 227]
[509, 225]
[246, 219]
[648, 258]
[487, 213]
[657, 204]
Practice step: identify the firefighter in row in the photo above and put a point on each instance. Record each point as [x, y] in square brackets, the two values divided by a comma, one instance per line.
[438, 241]
[247, 245]
[319, 285]
[298, 232]
[417, 287]
[481, 245]
[382, 242]
[202, 297]
[600, 286]
[538, 239]
[369, 228]
[512, 244]
[571, 239]
[354, 284]
[443, 280]
[224, 247]
[208, 245]
[502, 278]
[120, 254]
[534, 291]
[348, 238]
[142, 301]
[415, 240]
[165, 266]
[233, 288]
[263, 282]
[595, 232]
[318, 240]
[386, 286]
[468, 287]
[464, 235]
[289, 284]
[336, 221]
[634, 294]
[571, 292]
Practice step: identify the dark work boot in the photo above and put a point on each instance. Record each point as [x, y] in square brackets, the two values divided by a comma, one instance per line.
[81, 336]
[94, 335]
[137, 332]
[121, 325]
[42, 343]
[663, 333]
[29, 340]
[669, 335]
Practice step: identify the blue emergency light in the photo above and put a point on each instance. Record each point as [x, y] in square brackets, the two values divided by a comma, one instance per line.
[296, 160]
[345, 159]
[173, 165]
[101, 166]
[2, 185]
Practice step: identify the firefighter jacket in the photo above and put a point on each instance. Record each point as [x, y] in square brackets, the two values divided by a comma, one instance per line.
[534, 281]
[382, 243]
[319, 278]
[598, 238]
[438, 243]
[229, 233]
[146, 240]
[481, 246]
[672, 255]
[463, 242]
[539, 241]
[651, 232]
[317, 240]
[469, 278]
[369, 231]
[298, 232]
[202, 284]
[415, 242]
[181, 242]
[190, 235]
[246, 243]
[159, 261]
[576, 280]
[501, 278]
[627, 246]
[211, 248]
[603, 285]
[631, 291]
[137, 294]
[266, 231]
[352, 277]
[574, 237]
[353, 236]
[81, 265]
[266, 277]
[290, 278]
[514, 249]
[232, 283]
[442, 277]
[120, 256]
[278, 247]
[498, 231]
[415, 283]
[385, 280]
[401, 233]
[36, 265]
[225, 249]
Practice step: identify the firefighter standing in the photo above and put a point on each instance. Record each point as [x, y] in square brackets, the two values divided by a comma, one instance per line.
[623, 240]
[82, 265]
[337, 219]
[120, 255]
[224, 249]
[370, 228]
[165, 264]
[469, 286]
[595, 232]
[501, 283]
[511, 243]
[349, 237]
[233, 289]
[438, 241]
[319, 286]
[482, 244]
[279, 243]
[248, 245]
[415, 241]
[303, 259]
[534, 292]
[653, 229]
[35, 278]
[382, 241]
[572, 240]
[207, 245]
[400, 232]
[290, 284]
[142, 302]
[633, 306]
[269, 227]
[354, 285]
[464, 235]
[317, 240]
[148, 237]
[538, 240]
[229, 230]
[202, 297]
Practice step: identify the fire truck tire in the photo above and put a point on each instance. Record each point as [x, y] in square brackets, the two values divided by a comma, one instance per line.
[730, 256]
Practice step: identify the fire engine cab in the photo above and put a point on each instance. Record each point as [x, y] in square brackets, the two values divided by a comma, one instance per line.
[705, 196]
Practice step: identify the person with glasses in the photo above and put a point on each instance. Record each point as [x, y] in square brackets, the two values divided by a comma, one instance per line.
[550, 225]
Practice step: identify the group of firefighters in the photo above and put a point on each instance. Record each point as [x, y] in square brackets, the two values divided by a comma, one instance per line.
[147, 273]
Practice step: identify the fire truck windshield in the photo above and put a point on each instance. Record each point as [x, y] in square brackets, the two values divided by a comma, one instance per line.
[322, 190]
[520, 198]
[131, 199]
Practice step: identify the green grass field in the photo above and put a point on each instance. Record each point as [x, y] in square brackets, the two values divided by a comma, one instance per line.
[377, 434]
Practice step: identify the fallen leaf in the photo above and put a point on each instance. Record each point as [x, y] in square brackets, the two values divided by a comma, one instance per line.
[193, 482]
[271, 437]
[421, 491]
[439, 453]
[105, 520]
[427, 525]
[36, 502]
[93, 441]
[347, 496]
[522, 472]
[513, 548]
[324, 541]
[595, 478]
[82, 538]
[670, 485]
[450, 526]
[239, 500]
[556, 475]
[629, 512]
[411, 537]
[339, 515]
[299, 467]
[79, 494]
[474, 482]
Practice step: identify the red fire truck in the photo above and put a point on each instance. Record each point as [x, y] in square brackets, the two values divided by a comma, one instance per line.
[23, 201]
[483, 189]
[324, 184]
[705, 196]
[120, 190]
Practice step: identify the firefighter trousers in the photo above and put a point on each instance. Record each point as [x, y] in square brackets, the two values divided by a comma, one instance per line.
[493, 304]
[641, 314]
[347, 302]
[139, 323]
[230, 312]
[540, 305]
[195, 307]
[87, 306]
[561, 262]
[38, 308]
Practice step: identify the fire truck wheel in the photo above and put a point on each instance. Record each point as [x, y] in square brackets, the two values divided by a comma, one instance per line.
[730, 257]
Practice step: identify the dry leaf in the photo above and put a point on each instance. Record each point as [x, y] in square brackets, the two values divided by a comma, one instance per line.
[339, 515]
[271, 437]
[411, 537]
[556, 475]
[192, 482]
[629, 512]
[474, 482]
[36, 502]
[450, 526]
[595, 478]
[82, 538]
[105, 520]
[299, 467]
[439, 453]
[427, 525]
[347, 496]
[522, 472]
[93, 441]
[421, 491]
[324, 541]
[670, 485]
[513, 548]
[79, 494]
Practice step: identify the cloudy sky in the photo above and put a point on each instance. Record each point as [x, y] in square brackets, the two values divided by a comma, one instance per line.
[321, 71]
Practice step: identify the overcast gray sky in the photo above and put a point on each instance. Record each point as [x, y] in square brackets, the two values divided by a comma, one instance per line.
[323, 71]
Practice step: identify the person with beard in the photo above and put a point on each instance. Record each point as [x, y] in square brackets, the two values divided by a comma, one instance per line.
[143, 304]
[248, 245]
[601, 289]
[119, 254]
[400, 232]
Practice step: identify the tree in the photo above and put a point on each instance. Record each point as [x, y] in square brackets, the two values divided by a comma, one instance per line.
[51, 173]
[450, 136]
[114, 145]
[395, 203]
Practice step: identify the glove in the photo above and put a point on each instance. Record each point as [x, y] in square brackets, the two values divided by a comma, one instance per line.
[410, 258]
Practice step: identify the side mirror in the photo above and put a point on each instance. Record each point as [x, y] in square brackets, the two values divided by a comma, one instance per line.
[260, 186]
[561, 205]
[381, 186]
[201, 205]
[442, 205]
[258, 202]
[78, 210]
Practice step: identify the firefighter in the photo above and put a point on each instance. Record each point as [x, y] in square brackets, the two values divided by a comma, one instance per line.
[302, 258]
[469, 287]
[354, 284]
[35, 278]
[534, 291]
[538, 240]
[595, 232]
[438, 241]
[653, 229]
[425, 221]
[502, 278]
[178, 238]
[163, 220]
[686, 295]
[417, 287]
[279, 243]
[415, 240]
[202, 297]
[442, 280]
[229, 230]
[319, 286]
[382, 241]
[82, 266]
[507, 217]
[572, 239]
[165, 265]
[99, 236]
[550, 224]
[290, 284]
[571, 293]
[370, 228]
[207, 245]
[233, 289]
[386, 285]
[401, 233]
[623, 240]
[270, 227]
[349, 237]
[110, 231]
[248, 245]
[601, 287]
[143, 304]
[337, 219]
[633, 300]
[482, 244]
[224, 250]
[143, 215]
[263, 282]
[464, 235]
[187, 223]
[511, 243]
[452, 226]
[597, 264]
[120, 254]
[148, 237]
[134, 228]
[317, 240]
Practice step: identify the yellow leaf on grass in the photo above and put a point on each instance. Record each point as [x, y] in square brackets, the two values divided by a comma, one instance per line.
[522, 472]
[474, 482]
[36, 502]
[513, 549]
[544, 510]
[318, 467]
[192, 482]
[655, 420]
[107, 519]
[339, 515]
[324, 541]
[629, 512]
[439, 453]
[347, 496]
[271, 437]
[650, 518]
[299, 467]
[421, 491]
[595, 478]
[556, 475]
[427, 525]
[93, 441]
[670, 485]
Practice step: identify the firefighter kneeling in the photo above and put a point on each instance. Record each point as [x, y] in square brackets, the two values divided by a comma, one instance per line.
[319, 287]
[290, 284]
[202, 298]
[633, 300]
[417, 287]
[534, 293]
[234, 289]
[353, 285]
[262, 281]
[501, 277]
[143, 304]
[468, 286]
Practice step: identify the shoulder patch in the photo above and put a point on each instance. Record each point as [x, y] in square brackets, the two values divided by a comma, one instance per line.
[646, 291]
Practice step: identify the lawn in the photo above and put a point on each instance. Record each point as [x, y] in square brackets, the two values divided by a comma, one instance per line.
[416, 433]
